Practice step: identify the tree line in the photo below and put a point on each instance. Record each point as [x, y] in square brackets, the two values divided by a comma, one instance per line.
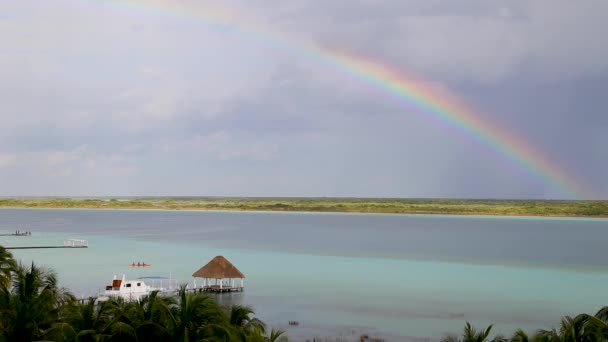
[581, 328]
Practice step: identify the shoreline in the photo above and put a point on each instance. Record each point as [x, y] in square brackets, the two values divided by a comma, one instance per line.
[487, 214]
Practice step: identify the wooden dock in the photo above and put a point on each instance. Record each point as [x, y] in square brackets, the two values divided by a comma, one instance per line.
[42, 247]
[70, 243]
[175, 291]
[17, 234]
[217, 289]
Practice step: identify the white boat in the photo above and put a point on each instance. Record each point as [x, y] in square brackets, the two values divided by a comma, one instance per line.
[129, 290]
[134, 290]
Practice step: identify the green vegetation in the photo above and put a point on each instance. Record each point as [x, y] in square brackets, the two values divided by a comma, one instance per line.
[33, 308]
[360, 205]
[581, 328]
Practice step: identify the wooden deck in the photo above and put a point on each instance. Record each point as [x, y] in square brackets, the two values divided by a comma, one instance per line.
[217, 289]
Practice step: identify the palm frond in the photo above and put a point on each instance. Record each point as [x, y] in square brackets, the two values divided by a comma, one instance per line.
[519, 336]
[602, 314]
[450, 338]
[60, 332]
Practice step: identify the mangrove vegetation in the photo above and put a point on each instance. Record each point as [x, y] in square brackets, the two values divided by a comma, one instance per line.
[354, 205]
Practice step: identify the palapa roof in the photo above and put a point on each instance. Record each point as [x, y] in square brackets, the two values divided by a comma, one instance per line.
[218, 268]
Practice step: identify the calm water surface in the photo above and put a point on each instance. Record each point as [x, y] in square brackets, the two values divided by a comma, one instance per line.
[400, 276]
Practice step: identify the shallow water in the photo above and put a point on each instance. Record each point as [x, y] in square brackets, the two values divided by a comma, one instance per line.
[344, 274]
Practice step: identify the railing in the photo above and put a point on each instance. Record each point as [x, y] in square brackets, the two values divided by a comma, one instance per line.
[75, 243]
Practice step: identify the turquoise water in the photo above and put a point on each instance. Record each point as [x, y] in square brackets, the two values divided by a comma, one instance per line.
[400, 276]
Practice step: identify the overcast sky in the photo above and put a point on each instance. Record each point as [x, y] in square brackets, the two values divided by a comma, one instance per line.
[98, 98]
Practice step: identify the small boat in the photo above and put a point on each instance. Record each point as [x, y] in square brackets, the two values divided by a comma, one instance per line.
[129, 290]
[140, 264]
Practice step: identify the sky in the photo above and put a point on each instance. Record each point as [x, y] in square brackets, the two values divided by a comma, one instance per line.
[134, 98]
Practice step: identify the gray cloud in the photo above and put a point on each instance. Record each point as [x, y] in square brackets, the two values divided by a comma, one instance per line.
[101, 98]
[468, 40]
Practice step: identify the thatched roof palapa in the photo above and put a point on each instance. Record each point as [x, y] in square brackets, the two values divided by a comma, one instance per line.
[218, 268]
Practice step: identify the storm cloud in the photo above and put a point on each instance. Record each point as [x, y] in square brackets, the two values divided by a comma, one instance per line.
[103, 98]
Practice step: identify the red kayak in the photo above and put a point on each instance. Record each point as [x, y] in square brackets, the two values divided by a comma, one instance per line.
[140, 264]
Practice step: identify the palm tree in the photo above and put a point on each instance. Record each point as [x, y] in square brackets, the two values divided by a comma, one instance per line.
[60, 332]
[153, 309]
[598, 324]
[122, 332]
[470, 334]
[193, 315]
[602, 314]
[153, 332]
[32, 303]
[118, 315]
[219, 333]
[581, 328]
[151, 317]
[89, 319]
[276, 335]
[576, 329]
[519, 336]
[7, 265]
[239, 318]
[552, 335]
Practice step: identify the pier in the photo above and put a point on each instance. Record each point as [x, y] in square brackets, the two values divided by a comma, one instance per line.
[171, 292]
[17, 233]
[70, 243]
[216, 289]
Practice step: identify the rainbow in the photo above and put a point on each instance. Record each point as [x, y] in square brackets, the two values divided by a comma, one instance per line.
[406, 88]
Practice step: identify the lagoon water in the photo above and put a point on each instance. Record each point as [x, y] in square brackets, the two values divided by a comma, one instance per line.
[403, 277]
